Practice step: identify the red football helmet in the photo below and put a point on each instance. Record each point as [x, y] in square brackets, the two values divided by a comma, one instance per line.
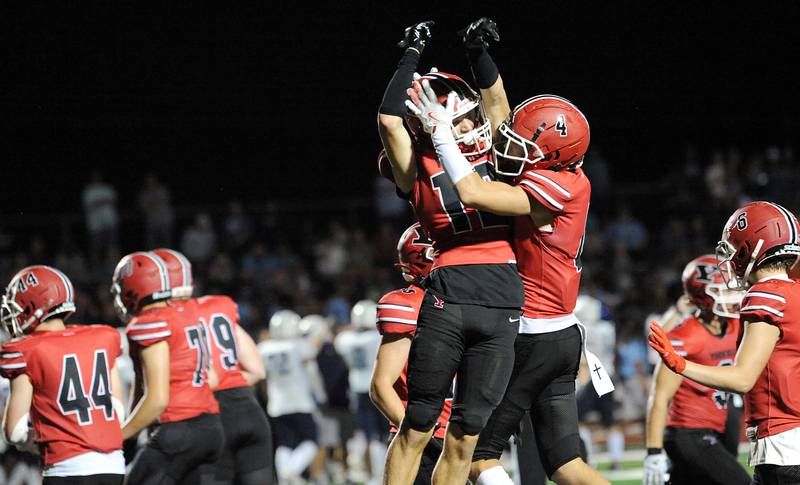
[140, 278]
[36, 294]
[180, 272]
[755, 233]
[468, 104]
[545, 131]
[704, 285]
[415, 253]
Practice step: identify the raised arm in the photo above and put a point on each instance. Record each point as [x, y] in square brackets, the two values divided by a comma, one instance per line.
[757, 345]
[394, 136]
[476, 38]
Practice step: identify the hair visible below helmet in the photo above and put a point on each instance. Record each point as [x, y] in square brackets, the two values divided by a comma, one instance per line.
[415, 253]
[545, 131]
[179, 268]
[140, 279]
[468, 104]
[757, 232]
[34, 295]
[364, 314]
[284, 325]
[704, 285]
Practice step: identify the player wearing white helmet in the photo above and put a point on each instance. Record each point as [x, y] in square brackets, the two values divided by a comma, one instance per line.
[358, 347]
[291, 398]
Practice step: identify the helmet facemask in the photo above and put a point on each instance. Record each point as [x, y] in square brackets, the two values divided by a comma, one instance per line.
[478, 140]
[512, 152]
[726, 301]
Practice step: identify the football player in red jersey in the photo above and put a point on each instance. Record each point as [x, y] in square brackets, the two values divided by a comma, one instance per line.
[247, 458]
[469, 314]
[695, 415]
[397, 322]
[759, 246]
[65, 378]
[542, 147]
[169, 348]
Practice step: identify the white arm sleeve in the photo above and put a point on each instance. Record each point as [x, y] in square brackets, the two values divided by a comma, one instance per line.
[119, 408]
[19, 435]
[455, 164]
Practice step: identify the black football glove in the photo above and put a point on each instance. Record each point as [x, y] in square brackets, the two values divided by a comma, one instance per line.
[479, 33]
[417, 36]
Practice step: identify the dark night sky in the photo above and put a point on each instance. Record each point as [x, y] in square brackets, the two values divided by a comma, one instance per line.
[272, 100]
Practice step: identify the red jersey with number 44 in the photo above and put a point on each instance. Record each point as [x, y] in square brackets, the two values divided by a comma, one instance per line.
[70, 370]
[179, 326]
[773, 404]
[221, 316]
[460, 235]
[549, 255]
[397, 315]
[694, 405]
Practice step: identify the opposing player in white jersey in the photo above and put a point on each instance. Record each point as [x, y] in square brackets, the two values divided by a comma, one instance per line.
[601, 340]
[291, 399]
[358, 346]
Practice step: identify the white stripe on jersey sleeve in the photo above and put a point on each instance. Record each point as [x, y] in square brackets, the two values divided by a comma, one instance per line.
[146, 336]
[771, 296]
[541, 192]
[147, 326]
[390, 306]
[552, 183]
[762, 307]
[397, 320]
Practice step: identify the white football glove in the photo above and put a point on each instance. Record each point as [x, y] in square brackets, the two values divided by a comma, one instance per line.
[655, 469]
[424, 104]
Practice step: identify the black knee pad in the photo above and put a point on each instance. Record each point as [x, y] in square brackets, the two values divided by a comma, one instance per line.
[471, 423]
[555, 455]
[421, 416]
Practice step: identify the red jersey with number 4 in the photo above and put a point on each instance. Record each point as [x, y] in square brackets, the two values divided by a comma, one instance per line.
[694, 405]
[179, 326]
[70, 370]
[774, 401]
[397, 315]
[549, 256]
[460, 235]
[221, 316]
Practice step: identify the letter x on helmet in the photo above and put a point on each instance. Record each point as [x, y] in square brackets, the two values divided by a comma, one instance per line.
[755, 233]
[468, 104]
[415, 253]
[545, 131]
[140, 278]
[706, 288]
[34, 295]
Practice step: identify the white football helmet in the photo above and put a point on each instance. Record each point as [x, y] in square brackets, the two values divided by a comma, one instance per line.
[284, 325]
[315, 328]
[364, 314]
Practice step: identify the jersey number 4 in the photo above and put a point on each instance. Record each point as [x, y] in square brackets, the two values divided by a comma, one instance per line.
[72, 397]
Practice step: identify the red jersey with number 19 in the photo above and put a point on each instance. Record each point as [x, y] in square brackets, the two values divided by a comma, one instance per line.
[179, 326]
[70, 370]
[221, 316]
[549, 255]
[695, 406]
[460, 235]
[397, 315]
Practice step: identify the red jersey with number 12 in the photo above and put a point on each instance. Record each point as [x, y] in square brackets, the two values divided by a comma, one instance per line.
[221, 316]
[179, 326]
[460, 235]
[549, 255]
[397, 315]
[694, 405]
[70, 370]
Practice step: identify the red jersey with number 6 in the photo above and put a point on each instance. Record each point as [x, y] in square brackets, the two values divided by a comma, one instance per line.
[773, 404]
[549, 255]
[397, 315]
[179, 326]
[70, 370]
[695, 406]
[221, 316]
[460, 235]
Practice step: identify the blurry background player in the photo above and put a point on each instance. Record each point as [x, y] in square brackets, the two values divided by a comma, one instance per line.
[169, 348]
[291, 404]
[542, 145]
[601, 341]
[467, 321]
[397, 323]
[64, 379]
[759, 246]
[358, 347]
[695, 415]
[247, 456]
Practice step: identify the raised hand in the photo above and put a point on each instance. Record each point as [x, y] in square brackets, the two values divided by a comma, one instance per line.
[661, 344]
[425, 105]
[480, 33]
[417, 36]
